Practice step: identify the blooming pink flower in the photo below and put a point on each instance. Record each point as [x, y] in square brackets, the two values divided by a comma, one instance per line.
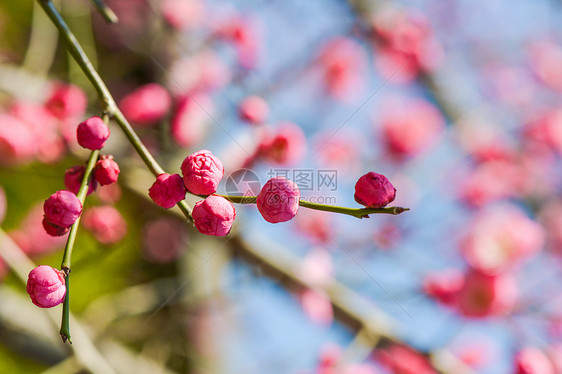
[286, 146]
[168, 190]
[444, 286]
[48, 145]
[254, 110]
[202, 172]
[546, 130]
[374, 190]
[62, 208]
[214, 216]
[46, 286]
[67, 101]
[499, 238]
[484, 295]
[182, 14]
[278, 200]
[52, 229]
[189, 121]
[409, 127]
[343, 62]
[243, 36]
[73, 179]
[490, 181]
[105, 223]
[532, 361]
[406, 45]
[92, 133]
[17, 141]
[106, 170]
[164, 239]
[146, 105]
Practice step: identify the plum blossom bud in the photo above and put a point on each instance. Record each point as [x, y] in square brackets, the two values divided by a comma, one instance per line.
[214, 216]
[374, 190]
[105, 223]
[62, 208]
[73, 179]
[254, 110]
[46, 286]
[278, 200]
[92, 133]
[66, 101]
[53, 230]
[168, 190]
[106, 170]
[202, 172]
[146, 105]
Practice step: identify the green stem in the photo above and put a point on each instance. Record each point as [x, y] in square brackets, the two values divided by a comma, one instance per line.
[355, 212]
[65, 323]
[107, 13]
[110, 107]
[66, 258]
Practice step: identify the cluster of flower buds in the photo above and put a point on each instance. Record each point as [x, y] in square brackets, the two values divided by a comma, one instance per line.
[45, 285]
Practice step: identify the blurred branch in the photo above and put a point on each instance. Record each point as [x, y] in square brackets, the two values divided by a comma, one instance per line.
[42, 45]
[107, 13]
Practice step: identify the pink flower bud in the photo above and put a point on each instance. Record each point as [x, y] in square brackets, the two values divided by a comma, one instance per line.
[53, 230]
[92, 133]
[214, 216]
[189, 122]
[105, 223]
[254, 109]
[106, 170]
[202, 172]
[62, 208]
[374, 190]
[67, 101]
[46, 286]
[73, 179]
[146, 105]
[278, 200]
[168, 190]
